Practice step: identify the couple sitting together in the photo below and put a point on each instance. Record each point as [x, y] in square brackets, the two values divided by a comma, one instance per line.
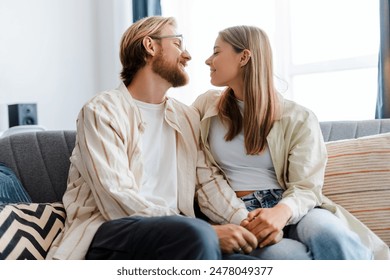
[250, 160]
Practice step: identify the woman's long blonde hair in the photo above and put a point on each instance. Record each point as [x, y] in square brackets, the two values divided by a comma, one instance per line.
[260, 97]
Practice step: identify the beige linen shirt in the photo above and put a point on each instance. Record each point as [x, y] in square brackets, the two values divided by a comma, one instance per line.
[106, 168]
[299, 157]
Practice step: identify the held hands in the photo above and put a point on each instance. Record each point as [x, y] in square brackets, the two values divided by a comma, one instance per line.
[262, 227]
[267, 223]
[235, 239]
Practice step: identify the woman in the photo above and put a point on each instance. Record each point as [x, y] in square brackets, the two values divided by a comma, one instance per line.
[271, 153]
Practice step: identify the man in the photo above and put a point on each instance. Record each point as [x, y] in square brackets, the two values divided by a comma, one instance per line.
[133, 169]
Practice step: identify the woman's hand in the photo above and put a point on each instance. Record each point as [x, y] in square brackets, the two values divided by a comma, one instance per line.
[235, 239]
[267, 223]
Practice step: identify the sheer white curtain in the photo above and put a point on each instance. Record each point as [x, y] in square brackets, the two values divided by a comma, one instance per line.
[200, 21]
[324, 50]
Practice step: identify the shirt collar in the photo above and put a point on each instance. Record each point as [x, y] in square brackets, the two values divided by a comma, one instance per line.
[170, 110]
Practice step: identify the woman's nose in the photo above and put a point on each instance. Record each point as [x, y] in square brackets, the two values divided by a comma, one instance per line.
[207, 61]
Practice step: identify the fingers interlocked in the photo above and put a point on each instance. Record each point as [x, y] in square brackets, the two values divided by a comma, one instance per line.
[246, 249]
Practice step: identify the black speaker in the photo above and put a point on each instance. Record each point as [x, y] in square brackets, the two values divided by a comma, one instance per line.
[22, 114]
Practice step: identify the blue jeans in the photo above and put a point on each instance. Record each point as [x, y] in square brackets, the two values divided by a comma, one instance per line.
[11, 190]
[319, 235]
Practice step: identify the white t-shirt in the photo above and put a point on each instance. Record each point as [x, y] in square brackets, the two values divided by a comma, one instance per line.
[159, 156]
[245, 172]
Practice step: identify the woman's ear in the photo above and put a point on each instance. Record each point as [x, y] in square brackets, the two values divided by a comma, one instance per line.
[245, 56]
[149, 45]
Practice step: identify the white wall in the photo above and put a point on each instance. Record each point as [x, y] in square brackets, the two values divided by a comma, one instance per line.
[58, 54]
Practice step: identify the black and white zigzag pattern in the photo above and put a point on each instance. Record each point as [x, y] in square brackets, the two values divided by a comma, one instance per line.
[28, 230]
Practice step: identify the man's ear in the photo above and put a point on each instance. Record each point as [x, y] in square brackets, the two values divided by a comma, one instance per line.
[149, 45]
[245, 56]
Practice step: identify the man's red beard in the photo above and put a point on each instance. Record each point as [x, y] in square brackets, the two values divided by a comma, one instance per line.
[171, 72]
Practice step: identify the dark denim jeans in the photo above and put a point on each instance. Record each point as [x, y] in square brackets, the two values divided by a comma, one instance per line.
[262, 199]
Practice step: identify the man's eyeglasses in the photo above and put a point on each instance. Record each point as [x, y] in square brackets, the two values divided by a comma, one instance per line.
[180, 36]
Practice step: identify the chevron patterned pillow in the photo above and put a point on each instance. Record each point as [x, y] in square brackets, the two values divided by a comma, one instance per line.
[27, 230]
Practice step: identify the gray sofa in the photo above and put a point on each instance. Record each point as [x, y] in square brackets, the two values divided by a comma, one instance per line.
[41, 159]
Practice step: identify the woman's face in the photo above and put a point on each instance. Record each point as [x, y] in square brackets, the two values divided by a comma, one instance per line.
[224, 63]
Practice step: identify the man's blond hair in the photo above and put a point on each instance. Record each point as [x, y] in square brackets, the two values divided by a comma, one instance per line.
[132, 52]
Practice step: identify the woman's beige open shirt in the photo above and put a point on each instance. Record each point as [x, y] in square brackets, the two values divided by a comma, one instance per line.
[299, 157]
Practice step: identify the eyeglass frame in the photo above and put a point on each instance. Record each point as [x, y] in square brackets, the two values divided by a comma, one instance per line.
[182, 44]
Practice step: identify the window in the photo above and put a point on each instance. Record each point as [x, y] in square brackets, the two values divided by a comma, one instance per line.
[325, 51]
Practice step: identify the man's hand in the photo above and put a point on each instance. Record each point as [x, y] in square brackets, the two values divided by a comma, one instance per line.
[267, 223]
[235, 239]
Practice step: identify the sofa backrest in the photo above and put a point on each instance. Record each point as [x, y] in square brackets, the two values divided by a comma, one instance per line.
[41, 159]
[337, 130]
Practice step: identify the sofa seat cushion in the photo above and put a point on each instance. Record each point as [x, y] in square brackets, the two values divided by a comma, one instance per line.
[27, 230]
[357, 177]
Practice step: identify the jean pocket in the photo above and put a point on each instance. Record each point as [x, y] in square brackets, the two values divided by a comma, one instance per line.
[251, 204]
[277, 194]
[270, 198]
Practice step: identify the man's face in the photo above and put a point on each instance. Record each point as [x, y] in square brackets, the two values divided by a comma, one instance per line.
[171, 59]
